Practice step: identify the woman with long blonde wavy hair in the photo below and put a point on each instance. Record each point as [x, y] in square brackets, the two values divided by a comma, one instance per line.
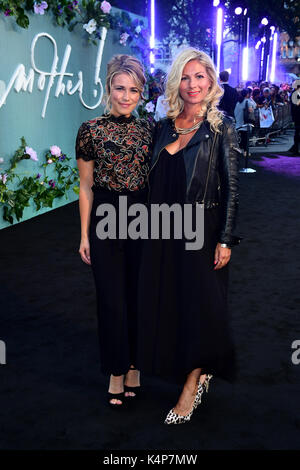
[184, 334]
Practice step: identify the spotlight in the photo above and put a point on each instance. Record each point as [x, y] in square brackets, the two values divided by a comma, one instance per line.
[219, 36]
[245, 11]
[257, 45]
[272, 74]
[263, 39]
[238, 11]
[216, 3]
[152, 37]
[245, 63]
[264, 21]
[272, 28]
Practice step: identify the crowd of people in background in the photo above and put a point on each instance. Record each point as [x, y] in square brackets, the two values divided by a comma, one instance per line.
[257, 95]
[252, 94]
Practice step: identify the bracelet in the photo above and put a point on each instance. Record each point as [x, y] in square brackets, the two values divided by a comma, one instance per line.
[224, 245]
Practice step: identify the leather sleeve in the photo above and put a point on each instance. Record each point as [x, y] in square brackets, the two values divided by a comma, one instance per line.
[228, 170]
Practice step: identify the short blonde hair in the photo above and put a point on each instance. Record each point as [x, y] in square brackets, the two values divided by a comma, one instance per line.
[173, 98]
[123, 63]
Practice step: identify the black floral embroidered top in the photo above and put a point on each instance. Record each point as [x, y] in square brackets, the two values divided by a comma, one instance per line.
[120, 147]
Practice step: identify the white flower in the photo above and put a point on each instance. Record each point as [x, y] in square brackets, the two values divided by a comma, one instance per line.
[49, 161]
[105, 7]
[32, 153]
[3, 178]
[123, 38]
[91, 26]
[138, 29]
[1, 160]
[55, 150]
[41, 182]
[149, 107]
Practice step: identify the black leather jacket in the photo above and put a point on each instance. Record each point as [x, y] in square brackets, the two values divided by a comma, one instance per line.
[222, 184]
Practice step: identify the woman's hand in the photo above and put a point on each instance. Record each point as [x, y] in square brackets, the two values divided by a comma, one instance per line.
[84, 250]
[222, 256]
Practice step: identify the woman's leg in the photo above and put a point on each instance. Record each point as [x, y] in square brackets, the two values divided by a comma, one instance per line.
[243, 140]
[187, 397]
[116, 385]
[132, 379]
[108, 269]
[132, 260]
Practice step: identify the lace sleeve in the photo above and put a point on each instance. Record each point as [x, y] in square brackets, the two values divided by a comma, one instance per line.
[84, 145]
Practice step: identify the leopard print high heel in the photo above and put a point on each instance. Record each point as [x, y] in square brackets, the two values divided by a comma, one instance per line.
[206, 382]
[174, 418]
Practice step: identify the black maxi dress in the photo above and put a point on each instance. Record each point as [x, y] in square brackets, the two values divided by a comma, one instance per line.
[120, 147]
[183, 315]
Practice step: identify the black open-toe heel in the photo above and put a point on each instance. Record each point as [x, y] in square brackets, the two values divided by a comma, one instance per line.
[136, 390]
[116, 396]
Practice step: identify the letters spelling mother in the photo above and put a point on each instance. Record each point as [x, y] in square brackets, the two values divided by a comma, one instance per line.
[20, 81]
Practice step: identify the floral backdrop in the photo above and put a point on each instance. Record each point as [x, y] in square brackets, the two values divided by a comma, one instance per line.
[90, 16]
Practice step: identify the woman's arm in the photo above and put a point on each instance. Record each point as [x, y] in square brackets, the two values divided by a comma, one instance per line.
[86, 194]
[85, 155]
[228, 169]
[86, 197]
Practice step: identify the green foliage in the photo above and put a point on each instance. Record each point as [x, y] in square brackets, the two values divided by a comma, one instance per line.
[70, 13]
[138, 34]
[191, 20]
[41, 190]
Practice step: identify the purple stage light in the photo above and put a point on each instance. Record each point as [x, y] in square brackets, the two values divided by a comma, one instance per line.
[257, 45]
[262, 59]
[246, 53]
[245, 63]
[272, 74]
[219, 37]
[219, 27]
[281, 164]
[265, 21]
[152, 37]
[238, 11]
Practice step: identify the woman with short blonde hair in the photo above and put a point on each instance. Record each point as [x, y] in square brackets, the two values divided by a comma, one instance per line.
[130, 65]
[113, 157]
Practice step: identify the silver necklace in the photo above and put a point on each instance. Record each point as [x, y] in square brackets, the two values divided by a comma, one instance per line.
[187, 130]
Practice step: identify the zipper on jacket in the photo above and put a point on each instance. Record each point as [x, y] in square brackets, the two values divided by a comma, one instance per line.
[151, 170]
[208, 171]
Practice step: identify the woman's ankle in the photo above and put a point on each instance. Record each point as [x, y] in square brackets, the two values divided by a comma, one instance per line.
[132, 378]
[116, 384]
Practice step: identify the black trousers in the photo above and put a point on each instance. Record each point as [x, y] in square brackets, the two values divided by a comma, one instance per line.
[115, 265]
[297, 136]
[243, 139]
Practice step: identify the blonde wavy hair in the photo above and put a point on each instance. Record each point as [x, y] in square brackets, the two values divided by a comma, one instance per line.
[123, 63]
[210, 102]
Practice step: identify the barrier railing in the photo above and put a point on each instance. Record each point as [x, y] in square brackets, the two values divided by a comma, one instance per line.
[282, 120]
[256, 134]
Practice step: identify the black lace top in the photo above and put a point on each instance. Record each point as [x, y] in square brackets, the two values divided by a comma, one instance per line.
[120, 147]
